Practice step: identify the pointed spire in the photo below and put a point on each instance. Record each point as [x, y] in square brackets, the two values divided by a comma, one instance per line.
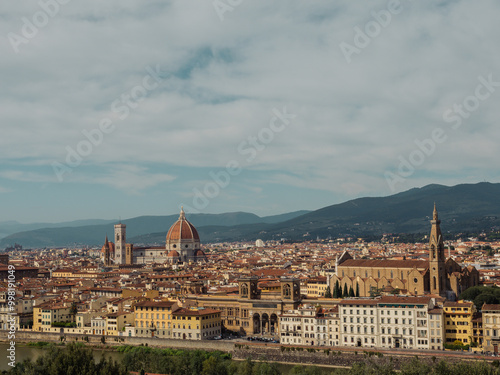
[435, 213]
[182, 215]
[106, 242]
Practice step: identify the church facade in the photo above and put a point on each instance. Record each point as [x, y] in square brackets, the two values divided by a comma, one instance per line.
[435, 276]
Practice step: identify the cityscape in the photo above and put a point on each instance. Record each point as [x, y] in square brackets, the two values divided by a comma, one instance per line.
[235, 187]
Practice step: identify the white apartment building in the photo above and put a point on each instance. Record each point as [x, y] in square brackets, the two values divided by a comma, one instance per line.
[359, 323]
[309, 326]
[98, 325]
[390, 322]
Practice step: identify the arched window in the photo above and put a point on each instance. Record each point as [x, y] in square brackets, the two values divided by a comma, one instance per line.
[434, 282]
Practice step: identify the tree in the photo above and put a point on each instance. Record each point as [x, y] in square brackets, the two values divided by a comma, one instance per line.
[346, 292]
[335, 293]
[264, 368]
[339, 289]
[481, 295]
[72, 359]
[246, 367]
[351, 292]
[415, 367]
[74, 309]
[213, 366]
[357, 289]
[328, 293]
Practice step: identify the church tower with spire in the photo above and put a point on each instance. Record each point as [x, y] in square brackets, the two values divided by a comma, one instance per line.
[436, 257]
[107, 253]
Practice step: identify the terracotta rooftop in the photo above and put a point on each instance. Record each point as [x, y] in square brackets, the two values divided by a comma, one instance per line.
[490, 307]
[195, 312]
[385, 263]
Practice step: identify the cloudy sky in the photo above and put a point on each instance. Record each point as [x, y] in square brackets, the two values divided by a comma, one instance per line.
[229, 105]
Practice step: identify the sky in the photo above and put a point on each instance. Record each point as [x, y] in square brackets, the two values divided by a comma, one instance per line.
[126, 108]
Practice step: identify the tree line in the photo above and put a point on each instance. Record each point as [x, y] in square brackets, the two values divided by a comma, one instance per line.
[339, 293]
[76, 359]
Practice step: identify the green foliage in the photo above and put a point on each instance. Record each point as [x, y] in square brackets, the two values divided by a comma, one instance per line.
[415, 367]
[481, 295]
[346, 291]
[361, 368]
[328, 293]
[351, 292]
[39, 344]
[305, 370]
[337, 290]
[457, 345]
[70, 360]
[76, 359]
[74, 309]
[64, 324]
[357, 289]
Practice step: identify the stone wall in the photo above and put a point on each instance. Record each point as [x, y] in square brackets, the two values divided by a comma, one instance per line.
[325, 357]
[27, 336]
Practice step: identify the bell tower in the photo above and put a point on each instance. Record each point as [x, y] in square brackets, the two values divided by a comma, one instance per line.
[290, 289]
[248, 287]
[120, 243]
[436, 257]
[107, 253]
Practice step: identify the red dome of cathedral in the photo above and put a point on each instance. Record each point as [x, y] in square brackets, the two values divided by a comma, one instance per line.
[182, 230]
[173, 253]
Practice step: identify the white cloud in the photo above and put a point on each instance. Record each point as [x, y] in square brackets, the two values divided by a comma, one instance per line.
[224, 79]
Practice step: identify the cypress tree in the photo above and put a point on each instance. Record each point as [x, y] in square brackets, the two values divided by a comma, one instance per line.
[328, 293]
[357, 290]
[346, 291]
[351, 292]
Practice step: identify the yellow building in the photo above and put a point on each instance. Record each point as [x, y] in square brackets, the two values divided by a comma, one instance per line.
[196, 324]
[153, 319]
[316, 287]
[458, 321]
[46, 314]
[491, 327]
[63, 273]
[116, 322]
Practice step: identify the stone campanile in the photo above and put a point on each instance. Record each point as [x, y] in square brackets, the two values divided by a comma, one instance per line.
[436, 257]
[120, 243]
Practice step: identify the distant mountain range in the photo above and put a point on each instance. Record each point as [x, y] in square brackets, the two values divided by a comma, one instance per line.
[466, 207]
[93, 232]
